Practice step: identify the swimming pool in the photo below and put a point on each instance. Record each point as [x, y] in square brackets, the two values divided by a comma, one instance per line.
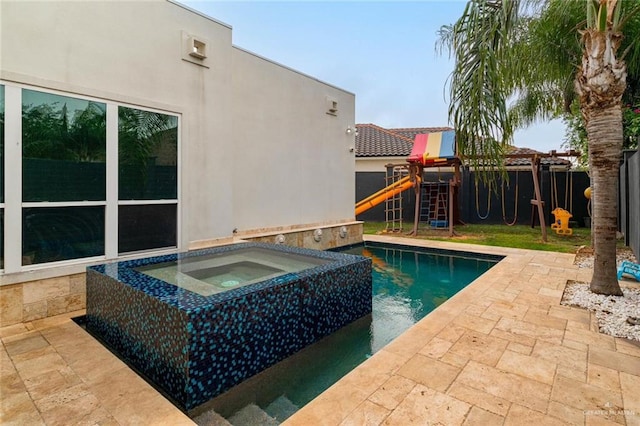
[408, 283]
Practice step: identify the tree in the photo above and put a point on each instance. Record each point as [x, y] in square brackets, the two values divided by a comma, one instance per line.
[576, 133]
[515, 63]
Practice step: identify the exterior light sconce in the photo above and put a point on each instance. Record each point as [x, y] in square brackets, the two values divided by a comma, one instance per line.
[317, 235]
[343, 232]
[351, 131]
[280, 239]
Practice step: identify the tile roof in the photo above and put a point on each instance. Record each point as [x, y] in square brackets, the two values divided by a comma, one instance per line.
[545, 161]
[411, 132]
[376, 141]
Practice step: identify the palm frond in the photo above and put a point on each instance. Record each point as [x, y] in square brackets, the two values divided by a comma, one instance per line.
[479, 86]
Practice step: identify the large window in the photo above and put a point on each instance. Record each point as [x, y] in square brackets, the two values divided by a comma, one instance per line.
[93, 179]
[51, 234]
[143, 227]
[147, 155]
[147, 179]
[63, 161]
[63, 148]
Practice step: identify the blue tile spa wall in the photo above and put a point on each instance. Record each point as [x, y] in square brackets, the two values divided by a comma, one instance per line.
[196, 347]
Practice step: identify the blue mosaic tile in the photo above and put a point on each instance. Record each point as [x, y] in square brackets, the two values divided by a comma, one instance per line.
[196, 347]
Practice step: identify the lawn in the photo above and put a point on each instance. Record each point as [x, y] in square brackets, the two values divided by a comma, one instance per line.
[518, 236]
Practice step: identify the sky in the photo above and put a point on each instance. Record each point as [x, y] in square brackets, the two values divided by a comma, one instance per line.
[382, 51]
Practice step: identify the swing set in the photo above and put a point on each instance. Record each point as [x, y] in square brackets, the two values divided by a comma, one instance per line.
[561, 215]
[504, 208]
[438, 149]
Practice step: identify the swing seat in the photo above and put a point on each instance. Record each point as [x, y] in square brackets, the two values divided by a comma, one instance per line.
[629, 268]
[561, 222]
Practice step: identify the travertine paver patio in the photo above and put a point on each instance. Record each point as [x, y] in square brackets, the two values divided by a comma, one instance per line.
[502, 351]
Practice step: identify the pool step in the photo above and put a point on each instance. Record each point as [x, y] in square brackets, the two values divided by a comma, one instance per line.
[211, 418]
[281, 408]
[252, 415]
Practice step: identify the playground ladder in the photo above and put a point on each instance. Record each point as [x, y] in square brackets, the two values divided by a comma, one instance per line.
[434, 204]
[393, 204]
[425, 204]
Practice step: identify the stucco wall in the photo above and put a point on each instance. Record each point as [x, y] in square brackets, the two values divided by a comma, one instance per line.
[377, 164]
[257, 149]
[292, 160]
[132, 52]
[258, 152]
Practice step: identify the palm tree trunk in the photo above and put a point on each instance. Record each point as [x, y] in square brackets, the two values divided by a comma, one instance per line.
[600, 83]
[604, 131]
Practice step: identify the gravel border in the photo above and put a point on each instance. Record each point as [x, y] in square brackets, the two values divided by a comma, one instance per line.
[617, 316]
[584, 257]
[611, 312]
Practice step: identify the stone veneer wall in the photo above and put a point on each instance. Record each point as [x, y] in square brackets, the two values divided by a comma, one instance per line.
[32, 300]
[38, 299]
[305, 237]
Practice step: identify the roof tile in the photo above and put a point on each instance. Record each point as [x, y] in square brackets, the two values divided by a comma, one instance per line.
[376, 141]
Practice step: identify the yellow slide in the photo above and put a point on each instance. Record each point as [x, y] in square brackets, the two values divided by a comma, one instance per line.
[385, 193]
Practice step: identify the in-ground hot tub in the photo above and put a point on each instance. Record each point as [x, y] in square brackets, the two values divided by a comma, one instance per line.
[198, 323]
[211, 273]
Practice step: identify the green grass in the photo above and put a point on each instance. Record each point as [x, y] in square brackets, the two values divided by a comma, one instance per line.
[518, 236]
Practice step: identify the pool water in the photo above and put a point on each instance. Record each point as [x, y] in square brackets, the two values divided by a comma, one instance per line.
[233, 274]
[408, 283]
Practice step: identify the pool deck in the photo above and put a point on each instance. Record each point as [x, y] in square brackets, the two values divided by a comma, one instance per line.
[501, 351]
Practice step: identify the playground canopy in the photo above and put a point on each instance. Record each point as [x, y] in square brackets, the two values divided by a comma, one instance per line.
[433, 148]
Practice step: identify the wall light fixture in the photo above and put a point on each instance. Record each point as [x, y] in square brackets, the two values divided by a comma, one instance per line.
[352, 130]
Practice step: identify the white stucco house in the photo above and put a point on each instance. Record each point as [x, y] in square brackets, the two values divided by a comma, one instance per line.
[137, 128]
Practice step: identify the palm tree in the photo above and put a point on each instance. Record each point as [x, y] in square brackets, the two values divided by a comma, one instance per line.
[516, 61]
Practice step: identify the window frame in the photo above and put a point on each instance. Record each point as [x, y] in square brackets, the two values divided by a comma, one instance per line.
[13, 205]
[144, 202]
[2, 199]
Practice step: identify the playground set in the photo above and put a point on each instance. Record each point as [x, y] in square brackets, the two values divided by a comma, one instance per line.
[433, 199]
[436, 202]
